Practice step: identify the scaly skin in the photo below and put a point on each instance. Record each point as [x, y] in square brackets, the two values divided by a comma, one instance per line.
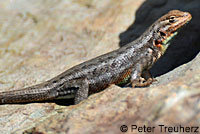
[125, 65]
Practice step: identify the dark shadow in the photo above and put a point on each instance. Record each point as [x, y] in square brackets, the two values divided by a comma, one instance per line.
[64, 102]
[61, 102]
[186, 44]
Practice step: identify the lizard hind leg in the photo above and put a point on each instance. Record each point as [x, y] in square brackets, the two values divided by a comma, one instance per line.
[77, 89]
[83, 92]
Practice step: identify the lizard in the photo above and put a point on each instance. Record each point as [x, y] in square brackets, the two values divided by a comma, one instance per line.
[129, 64]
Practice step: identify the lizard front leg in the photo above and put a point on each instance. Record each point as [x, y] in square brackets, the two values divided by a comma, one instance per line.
[148, 77]
[136, 77]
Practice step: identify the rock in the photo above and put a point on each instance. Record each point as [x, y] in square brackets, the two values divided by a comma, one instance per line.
[40, 39]
[170, 104]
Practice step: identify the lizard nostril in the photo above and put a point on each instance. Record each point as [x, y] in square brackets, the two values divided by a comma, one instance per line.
[186, 14]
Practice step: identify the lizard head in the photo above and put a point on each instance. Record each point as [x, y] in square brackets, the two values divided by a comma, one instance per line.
[166, 27]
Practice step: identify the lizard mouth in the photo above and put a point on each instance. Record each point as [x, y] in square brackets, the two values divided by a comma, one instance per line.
[181, 22]
[176, 27]
[172, 31]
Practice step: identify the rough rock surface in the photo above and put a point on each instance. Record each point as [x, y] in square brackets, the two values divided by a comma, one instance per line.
[40, 39]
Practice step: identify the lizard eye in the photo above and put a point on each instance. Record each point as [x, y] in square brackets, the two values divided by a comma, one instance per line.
[172, 19]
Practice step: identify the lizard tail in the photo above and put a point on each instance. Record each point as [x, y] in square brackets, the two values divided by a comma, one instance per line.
[29, 94]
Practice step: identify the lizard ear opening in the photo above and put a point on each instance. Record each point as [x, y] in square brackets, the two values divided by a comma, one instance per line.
[157, 43]
[162, 33]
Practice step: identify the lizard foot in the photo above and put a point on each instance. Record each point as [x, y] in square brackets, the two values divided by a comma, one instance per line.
[142, 82]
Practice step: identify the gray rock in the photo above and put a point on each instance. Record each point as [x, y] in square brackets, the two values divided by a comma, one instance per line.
[40, 39]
